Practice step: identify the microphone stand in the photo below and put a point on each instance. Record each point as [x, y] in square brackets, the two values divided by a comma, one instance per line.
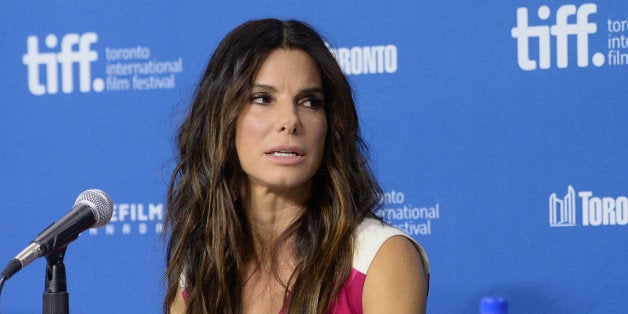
[56, 298]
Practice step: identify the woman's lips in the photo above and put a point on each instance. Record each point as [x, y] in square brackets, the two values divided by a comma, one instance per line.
[286, 155]
[286, 149]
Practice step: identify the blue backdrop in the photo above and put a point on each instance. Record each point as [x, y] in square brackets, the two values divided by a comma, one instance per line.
[498, 131]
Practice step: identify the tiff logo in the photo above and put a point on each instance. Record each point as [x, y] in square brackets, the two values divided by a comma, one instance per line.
[562, 212]
[75, 49]
[561, 31]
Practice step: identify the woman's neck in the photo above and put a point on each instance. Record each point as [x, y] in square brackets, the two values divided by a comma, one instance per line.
[270, 213]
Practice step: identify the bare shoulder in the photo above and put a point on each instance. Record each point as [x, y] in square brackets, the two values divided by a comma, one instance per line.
[396, 281]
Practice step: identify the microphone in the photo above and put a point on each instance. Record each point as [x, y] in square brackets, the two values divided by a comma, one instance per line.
[92, 208]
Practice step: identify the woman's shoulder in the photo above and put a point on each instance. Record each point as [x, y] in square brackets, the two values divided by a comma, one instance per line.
[370, 236]
[396, 269]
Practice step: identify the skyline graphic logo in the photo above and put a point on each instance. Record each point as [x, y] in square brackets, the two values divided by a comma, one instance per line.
[562, 212]
[75, 50]
[594, 211]
[571, 22]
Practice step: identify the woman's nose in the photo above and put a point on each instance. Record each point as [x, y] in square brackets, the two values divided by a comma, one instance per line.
[288, 117]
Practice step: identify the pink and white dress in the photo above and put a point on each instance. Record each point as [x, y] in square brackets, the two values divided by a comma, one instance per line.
[370, 235]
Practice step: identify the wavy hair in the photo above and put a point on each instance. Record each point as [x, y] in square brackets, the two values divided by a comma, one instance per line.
[209, 237]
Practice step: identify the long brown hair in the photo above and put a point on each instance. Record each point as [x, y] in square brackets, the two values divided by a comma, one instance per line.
[209, 236]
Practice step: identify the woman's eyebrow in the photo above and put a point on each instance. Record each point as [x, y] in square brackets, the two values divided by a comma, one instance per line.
[264, 87]
[312, 90]
[307, 90]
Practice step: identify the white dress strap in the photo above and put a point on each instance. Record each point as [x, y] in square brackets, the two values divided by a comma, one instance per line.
[370, 235]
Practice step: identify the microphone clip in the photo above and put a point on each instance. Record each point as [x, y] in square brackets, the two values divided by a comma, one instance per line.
[56, 297]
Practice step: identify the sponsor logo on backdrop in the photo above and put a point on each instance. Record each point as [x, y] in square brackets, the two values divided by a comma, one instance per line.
[594, 210]
[360, 60]
[403, 215]
[65, 62]
[540, 43]
[134, 218]
[562, 212]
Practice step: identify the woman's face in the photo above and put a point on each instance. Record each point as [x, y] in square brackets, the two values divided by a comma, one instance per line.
[280, 133]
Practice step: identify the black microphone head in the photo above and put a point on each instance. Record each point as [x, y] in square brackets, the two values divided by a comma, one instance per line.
[100, 203]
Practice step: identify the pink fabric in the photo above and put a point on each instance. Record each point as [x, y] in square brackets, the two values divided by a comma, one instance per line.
[350, 296]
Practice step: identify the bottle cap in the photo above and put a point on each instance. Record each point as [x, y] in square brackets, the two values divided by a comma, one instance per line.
[493, 305]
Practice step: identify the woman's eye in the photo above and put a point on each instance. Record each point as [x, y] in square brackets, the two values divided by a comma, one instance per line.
[260, 99]
[312, 102]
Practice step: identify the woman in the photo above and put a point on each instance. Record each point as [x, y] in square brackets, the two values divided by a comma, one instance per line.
[270, 207]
